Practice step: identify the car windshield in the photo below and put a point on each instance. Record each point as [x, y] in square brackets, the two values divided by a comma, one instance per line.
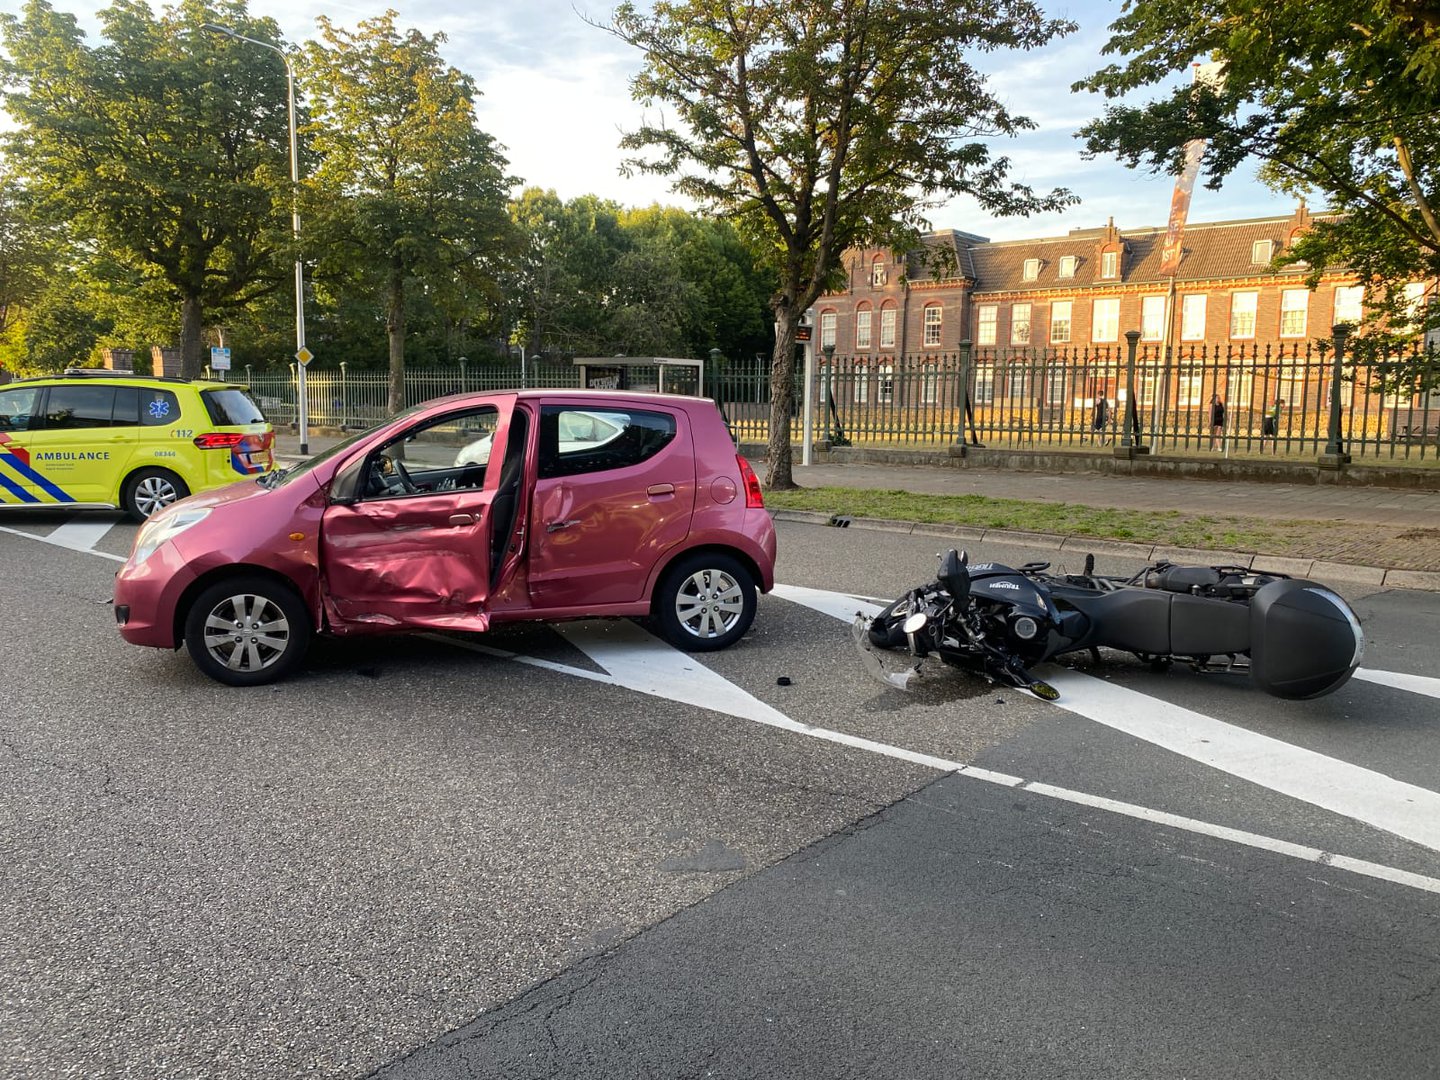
[280, 477]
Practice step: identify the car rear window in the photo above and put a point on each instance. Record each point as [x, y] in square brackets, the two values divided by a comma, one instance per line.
[231, 408]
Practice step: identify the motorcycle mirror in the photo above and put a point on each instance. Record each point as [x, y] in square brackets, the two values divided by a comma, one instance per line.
[915, 623]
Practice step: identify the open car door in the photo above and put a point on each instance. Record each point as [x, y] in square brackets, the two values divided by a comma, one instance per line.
[412, 538]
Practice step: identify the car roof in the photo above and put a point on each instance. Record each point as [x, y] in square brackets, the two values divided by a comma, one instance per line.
[596, 398]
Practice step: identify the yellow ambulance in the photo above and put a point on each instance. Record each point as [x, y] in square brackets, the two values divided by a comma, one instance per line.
[94, 438]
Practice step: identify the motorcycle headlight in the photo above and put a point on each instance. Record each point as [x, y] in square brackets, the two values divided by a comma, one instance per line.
[1025, 628]
[164, 526]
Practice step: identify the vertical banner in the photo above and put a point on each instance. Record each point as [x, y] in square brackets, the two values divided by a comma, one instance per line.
[1180, 207]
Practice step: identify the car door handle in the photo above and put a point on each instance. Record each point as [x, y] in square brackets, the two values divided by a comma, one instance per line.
[556, 526]
[660, 489]
[462, 519]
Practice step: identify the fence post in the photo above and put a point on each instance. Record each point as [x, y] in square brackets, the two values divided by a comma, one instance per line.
[1335, 456]
[1130, 445]
[344, 397]
[966, 413]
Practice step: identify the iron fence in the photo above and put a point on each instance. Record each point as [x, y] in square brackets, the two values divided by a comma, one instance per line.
[1276, 400]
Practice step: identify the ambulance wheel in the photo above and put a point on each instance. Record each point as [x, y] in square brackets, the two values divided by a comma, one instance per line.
[150, 490]
[247, 631]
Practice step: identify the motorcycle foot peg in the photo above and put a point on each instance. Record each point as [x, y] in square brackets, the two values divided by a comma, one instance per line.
[1044, 691]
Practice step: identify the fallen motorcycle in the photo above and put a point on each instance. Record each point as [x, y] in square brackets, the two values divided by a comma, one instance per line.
[1294, 638]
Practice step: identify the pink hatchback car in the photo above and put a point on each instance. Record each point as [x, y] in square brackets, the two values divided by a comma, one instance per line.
[460, 514]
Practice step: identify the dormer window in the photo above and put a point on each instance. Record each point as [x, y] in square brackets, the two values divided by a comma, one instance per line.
[1110, 264]
[878, 276]
[1031, 270]
[1261, 252]
[1067, 266]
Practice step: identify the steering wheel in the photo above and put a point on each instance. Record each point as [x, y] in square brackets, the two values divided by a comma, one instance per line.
[409, 485]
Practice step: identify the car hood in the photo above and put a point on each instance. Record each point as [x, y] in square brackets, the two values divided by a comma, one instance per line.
[247, 491]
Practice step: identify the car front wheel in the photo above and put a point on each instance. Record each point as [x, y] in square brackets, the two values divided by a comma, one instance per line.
[247, 631]
[150, 490]
[705, 602]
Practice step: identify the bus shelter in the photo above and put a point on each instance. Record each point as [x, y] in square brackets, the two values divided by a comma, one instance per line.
[649, 374]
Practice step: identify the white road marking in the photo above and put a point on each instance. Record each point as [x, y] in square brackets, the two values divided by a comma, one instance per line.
[48, 540]
[1361, 794]
[82, 533]
[1416, 684]
[649, 666]
[842, 606]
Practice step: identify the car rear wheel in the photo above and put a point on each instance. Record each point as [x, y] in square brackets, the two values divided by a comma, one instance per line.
[150, 490]
[247, 631]
[705, 602]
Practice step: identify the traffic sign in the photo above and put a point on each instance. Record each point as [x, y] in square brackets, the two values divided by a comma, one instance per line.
[219, 359]
[304, 355]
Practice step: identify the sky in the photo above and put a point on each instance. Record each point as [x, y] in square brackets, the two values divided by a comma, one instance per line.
[555, 94]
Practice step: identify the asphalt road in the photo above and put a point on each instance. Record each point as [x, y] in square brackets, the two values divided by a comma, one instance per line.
[580, 853]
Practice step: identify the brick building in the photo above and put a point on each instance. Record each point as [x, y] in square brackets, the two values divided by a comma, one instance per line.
[1083, 290]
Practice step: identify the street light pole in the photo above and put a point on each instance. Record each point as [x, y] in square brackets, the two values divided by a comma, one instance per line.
[302, 398]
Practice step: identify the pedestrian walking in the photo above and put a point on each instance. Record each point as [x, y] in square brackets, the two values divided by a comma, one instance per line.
[1270, 425]
[1217, 420]
[1100, 420]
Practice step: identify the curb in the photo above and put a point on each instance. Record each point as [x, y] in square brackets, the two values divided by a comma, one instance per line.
[1349, 573]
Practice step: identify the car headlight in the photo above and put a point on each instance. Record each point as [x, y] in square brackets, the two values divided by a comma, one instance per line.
[164, 526]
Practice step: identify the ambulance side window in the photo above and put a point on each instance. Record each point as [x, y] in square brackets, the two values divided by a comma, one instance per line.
[70, 407]
[17, 408]
[127, 406]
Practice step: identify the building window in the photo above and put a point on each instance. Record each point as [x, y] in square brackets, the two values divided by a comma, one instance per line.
[1110, 264]
[862, 328]
[1032, 270]
[985, 324]
[1242, 314]
[984, 385]
[1017, 382]
[862, 385]
[932, 325]
[878, 276]
[1020, 324]
[1190, 393]
[1239, 388]
[1414, 305]
[1294, 304]
[827, 329]
[886, 385]
[1152, 318]
[887, 328]
[1348, 300]
[1105, 320]
[1060, 321]
[1261, 252]
[1067, 265]
[1192, 318]
[929, 384]
[1055, 386]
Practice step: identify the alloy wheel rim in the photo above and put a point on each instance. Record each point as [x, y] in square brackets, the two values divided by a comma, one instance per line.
[153, 493]
[709, 603]
[246, 633]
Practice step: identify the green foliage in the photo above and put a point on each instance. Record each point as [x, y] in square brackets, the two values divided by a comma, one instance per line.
[409, 196]
[1330, 97]
[814, 127]
[167, 148]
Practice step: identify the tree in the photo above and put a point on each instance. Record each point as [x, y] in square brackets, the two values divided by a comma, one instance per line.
[1329, 96]
[169, 150]
[409, 192]
[814, 127]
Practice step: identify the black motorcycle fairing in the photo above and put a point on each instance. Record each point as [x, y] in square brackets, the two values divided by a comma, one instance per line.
[1154, 623]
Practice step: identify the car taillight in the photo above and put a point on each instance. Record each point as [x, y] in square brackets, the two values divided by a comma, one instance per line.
[219, 440]
[754, 500]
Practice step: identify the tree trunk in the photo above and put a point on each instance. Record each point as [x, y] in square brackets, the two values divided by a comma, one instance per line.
[395, 332]
[778, 476]
[192, 359]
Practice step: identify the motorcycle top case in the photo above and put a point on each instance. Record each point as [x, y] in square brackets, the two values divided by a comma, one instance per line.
[1305, 640]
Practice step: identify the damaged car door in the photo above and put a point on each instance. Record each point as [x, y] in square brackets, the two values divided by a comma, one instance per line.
[409, 536]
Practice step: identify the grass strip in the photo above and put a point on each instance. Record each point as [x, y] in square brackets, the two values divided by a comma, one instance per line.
[1229, 533]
